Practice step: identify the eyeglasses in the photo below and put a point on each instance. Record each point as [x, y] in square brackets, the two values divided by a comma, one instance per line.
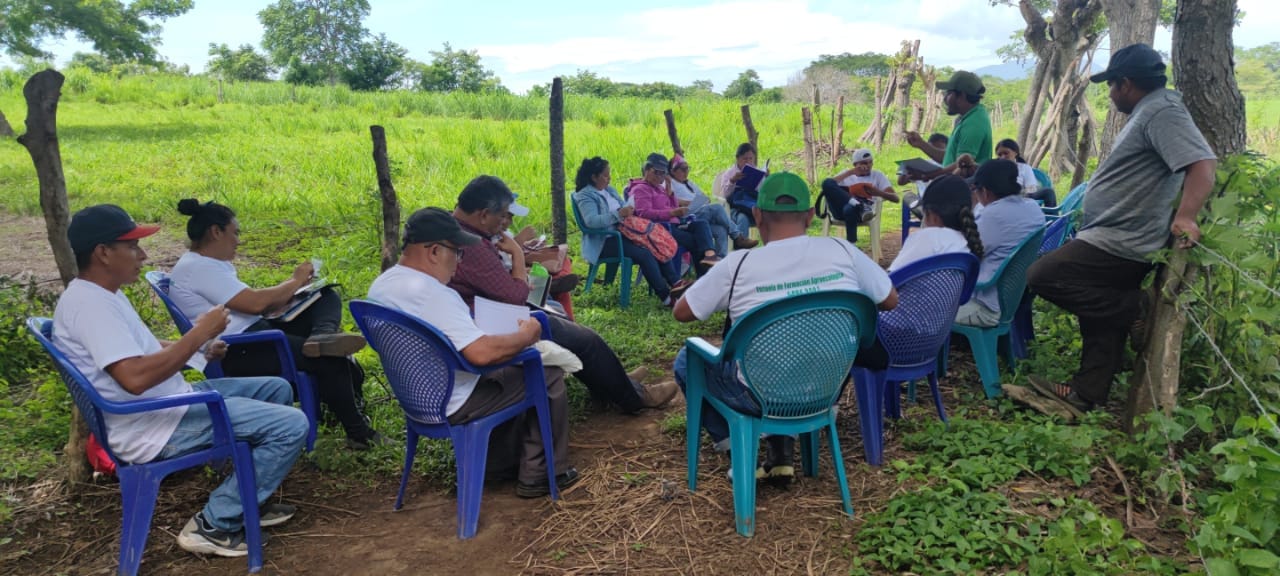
[457, 250]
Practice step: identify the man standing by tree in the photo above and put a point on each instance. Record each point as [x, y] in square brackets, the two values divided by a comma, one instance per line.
[1098, 275]
[972, 134]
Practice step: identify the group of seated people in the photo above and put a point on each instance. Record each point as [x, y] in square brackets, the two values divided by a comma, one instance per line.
[101, 333]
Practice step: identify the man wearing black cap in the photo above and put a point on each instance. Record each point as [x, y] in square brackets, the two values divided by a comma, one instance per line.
[418, 286]
[97, 328]
[972, 133]
[1128, 215]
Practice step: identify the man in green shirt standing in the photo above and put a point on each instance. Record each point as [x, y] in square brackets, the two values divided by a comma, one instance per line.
[972, 134]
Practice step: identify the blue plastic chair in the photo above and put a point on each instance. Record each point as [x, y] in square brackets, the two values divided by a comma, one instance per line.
[419, 363]
[1022, 331]
[140, 483]
[612, 263]
[1010, 282]
[929, 293]
[1068, 205]
[1042, 179]
[793, 355]
[308, 397]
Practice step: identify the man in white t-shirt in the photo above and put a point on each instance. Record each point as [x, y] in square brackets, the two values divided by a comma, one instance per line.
[749, 278]
[850, 194]
[418, 286]
[102, 335]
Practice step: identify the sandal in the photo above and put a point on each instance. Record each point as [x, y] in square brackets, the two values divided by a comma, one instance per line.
[1041, 404]
[1063, 394]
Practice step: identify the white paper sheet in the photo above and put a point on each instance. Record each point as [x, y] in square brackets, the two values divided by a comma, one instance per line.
[497, 318]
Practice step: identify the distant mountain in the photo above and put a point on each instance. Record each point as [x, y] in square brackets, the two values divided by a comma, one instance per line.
[1008, 70]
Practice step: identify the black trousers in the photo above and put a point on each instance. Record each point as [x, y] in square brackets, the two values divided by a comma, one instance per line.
[602, 372]
[1104, 292]
[339, 382]
[844, 207]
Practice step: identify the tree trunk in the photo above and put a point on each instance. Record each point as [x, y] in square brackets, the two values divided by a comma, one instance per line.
[390, 202]
[1128, 22]
[752, 135]
[6, 131]
[1204, 56]
[1085, 149]
[42, 91]
[671, 132]
[1030, 122]
[874, 127]
[909, 63]
[1153, 383]
[559, 225]
[837, 142]
[809, 160]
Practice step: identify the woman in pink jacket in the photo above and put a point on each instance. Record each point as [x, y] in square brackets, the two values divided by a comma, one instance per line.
[655, 202]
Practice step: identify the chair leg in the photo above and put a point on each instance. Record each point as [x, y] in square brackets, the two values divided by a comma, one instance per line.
[892, 397]
[310, 403]
[911, 391]
[470, 449]
[984, 355]
[743, 456]
[937, 397]
[810, 443]
[693, 425]
[870, 413]
[410, 450]
[247, 480]
[626, 282]
[838, 458]
[610, 270]
[138, 489]
[542, 408]
[591, 277]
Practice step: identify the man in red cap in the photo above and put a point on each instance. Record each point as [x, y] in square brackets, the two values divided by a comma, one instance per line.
[101, 334]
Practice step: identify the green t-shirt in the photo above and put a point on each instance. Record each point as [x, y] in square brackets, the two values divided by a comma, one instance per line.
[972, 135]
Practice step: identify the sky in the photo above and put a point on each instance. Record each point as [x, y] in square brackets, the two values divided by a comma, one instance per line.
[530, 42]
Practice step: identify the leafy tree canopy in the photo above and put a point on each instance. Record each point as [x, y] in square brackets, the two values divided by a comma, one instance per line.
[379, 64]
[457, 70]
[866, 64]
[745, 85]
[243, 64]
[313, 37]
[119, 31]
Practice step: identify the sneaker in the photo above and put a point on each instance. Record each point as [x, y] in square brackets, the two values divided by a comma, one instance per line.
[710, 261]
[778, 466]
[657, 395]
[679, 288]
[722, 446]
[868, 216]
[562, 284]
[275, 514]
[339, 345]
[368, 443]
[744, 243]
[638, 375]
[539, 489]
[199, 537]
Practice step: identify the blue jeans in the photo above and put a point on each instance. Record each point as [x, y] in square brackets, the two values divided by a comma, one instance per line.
[659, 275]
[722, 228]
[723, 384]
[742, 221]
[261, 414]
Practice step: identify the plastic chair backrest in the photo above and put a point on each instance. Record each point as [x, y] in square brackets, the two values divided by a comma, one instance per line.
[929, 293]
[1055, 235]
[794, 353]
[159, 282]
[1011, 277]
[418, 360]
[1042, 179]
[1073, 200]
[86, 397]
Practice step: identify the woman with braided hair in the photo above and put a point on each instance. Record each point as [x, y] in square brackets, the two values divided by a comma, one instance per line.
[949, 226]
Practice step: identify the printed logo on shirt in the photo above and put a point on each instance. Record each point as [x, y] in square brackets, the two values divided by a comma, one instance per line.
[800, 286]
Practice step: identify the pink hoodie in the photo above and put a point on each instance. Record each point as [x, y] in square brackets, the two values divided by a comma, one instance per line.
[653, 203]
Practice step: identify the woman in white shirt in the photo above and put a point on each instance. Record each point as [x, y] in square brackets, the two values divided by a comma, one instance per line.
[1008, 149]
[949, 224]
[688, 194]
[204, 277]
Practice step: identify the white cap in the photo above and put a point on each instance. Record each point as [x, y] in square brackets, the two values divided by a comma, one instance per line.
[516, 209]
[861, 154]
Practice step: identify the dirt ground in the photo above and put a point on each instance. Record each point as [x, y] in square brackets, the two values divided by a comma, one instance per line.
[25, 254]
[630, 514]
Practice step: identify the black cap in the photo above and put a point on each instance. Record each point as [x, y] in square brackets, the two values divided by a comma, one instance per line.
[434, 225]
[1132, 61]
[947, 191]
[657, 161]
[103, 224]
[998, 176]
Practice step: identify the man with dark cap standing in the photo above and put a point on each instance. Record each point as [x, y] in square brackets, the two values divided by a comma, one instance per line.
[972, 133]
[1129, 213]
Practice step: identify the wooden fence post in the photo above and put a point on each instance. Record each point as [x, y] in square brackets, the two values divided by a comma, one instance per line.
[752, 135]
[42, 91]
[671, 132]
[390, 203]
[837, 143]
[810, 170]
[559, 227]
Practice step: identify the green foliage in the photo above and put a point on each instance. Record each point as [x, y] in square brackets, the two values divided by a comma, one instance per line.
[746, 84]
[243, 64]
[866, 64]
[119, 30]
[34, 406]
[457, 70]
[313, 37]
[1258, 69]
[1238, 535]
[588, 83]
[378, 64]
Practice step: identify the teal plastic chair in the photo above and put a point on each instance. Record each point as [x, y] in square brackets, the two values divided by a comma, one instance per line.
[1010, 281]
[793, 355]
[1073, 201]
[612, 262]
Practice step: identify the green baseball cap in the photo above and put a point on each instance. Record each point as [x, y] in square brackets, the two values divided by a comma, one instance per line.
[783, 185]
[964, 81]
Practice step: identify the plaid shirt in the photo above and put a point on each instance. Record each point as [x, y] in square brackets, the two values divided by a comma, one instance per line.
[481, 273]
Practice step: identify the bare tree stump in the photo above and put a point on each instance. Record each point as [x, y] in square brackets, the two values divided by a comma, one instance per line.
[671, 132]
[810, 170]
[42, 92]
[390, 202]
[1153, 383]
[837, 143]
[559, 225]
[752, 135]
